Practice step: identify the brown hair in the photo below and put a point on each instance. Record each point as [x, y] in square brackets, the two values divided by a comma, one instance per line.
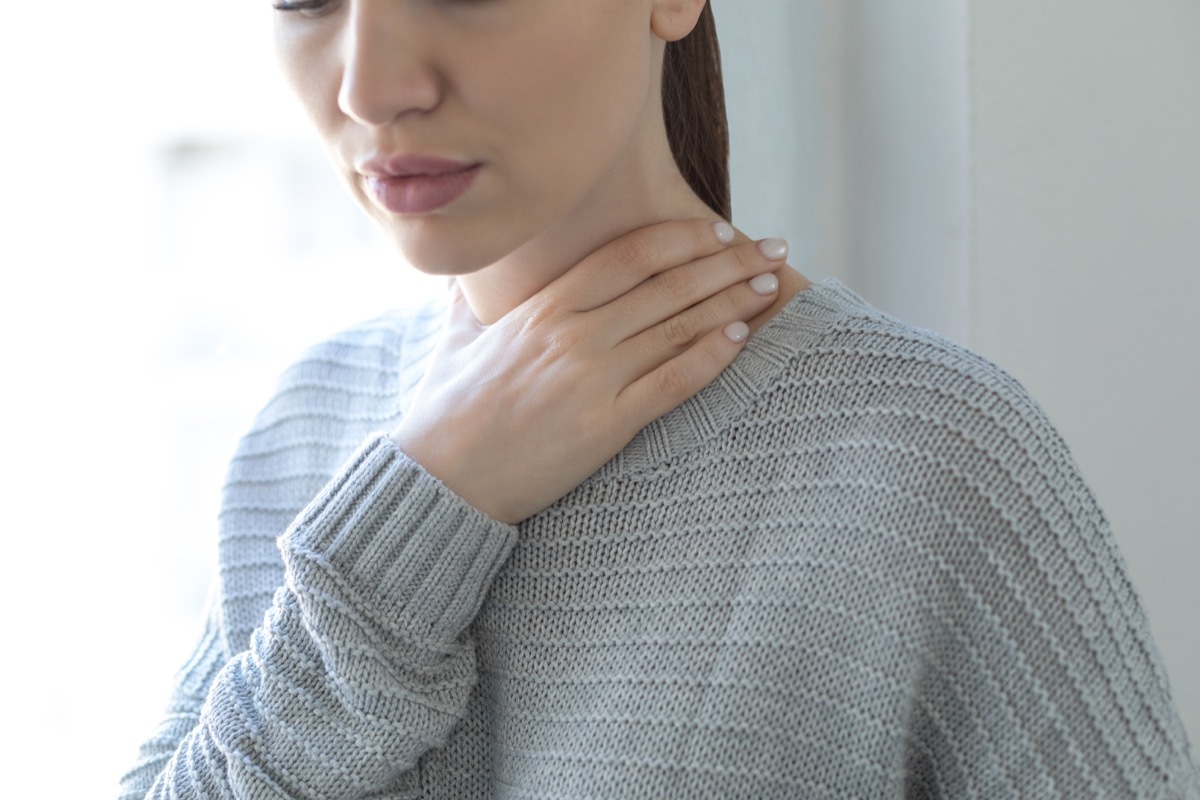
[694, 110]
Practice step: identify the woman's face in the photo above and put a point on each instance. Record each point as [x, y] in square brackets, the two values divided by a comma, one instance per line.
[469, 128]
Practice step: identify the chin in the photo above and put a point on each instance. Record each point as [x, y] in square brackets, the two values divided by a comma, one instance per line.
[446, 254]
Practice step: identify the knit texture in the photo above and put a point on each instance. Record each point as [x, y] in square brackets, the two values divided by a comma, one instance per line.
[861, 563]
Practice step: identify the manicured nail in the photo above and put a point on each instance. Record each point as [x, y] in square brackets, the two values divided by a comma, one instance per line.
[724, 232]
[774, 249]
[765, 284]
[737, 332]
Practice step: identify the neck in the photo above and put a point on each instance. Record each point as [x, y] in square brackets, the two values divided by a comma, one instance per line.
[494, 291]
[650, 190]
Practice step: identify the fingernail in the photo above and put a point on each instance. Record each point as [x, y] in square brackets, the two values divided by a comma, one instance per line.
[774, 249]
[724, 232]
[765, 284]
[737, 332]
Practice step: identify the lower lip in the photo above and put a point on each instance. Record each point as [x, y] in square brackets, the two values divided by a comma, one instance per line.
[421, 194]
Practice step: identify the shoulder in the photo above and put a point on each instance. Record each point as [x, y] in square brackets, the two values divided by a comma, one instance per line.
[360, 370]
[831, 380]
[945, 481]
[837, 340]
[872, 379]
[363, 359]
[940, 467]
[928, 423]
[832, 374]
[338, 392]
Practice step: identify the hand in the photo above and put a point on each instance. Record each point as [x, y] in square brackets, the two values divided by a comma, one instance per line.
[514, 416]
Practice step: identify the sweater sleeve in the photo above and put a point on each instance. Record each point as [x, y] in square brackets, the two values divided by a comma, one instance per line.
[361, 664]
[1043, 679]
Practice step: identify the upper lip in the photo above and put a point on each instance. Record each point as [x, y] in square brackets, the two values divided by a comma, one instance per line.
[406, 166]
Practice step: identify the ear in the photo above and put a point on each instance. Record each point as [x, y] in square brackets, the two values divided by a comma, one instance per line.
[671, 20]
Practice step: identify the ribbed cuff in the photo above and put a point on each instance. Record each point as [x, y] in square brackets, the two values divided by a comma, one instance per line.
[418, 553]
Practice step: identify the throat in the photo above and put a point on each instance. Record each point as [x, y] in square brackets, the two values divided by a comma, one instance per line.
[497, 289]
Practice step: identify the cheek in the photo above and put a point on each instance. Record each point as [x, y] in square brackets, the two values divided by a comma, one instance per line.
[569, 101]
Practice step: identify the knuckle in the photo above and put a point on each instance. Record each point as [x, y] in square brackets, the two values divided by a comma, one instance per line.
[678, 331]
[525, 320]
[674, 283]
[634, 252]
[560, 343]
[673, 381]
[533, 316]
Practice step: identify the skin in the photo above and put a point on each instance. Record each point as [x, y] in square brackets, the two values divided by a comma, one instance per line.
[560, 104]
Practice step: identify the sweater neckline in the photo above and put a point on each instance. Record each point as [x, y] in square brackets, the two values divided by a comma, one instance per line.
[774, 349]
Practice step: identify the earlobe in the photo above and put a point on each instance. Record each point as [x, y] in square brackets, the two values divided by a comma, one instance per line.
[671, 20]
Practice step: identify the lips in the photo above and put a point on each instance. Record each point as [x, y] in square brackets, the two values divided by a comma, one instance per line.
[413, 184]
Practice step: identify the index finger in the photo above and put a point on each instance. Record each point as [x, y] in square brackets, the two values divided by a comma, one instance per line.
[620, 265]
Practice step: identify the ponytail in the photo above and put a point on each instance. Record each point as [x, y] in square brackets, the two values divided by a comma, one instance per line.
[694, 111]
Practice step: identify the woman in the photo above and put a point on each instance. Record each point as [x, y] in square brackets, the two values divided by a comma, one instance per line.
[604, 545]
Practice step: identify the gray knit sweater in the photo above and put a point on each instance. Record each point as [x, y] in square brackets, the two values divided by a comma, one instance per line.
[859, 564]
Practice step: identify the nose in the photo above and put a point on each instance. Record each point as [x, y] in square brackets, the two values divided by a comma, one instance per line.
[385, 72]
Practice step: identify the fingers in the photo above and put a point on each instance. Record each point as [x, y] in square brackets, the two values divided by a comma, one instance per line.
[622, 264]
[672, 383]
[666, 294]
[643, 353]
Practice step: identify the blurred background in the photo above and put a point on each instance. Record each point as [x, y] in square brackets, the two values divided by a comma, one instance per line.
[1022, 176]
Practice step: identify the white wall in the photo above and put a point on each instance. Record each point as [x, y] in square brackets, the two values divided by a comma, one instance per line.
[771, 48]
[896, 155]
